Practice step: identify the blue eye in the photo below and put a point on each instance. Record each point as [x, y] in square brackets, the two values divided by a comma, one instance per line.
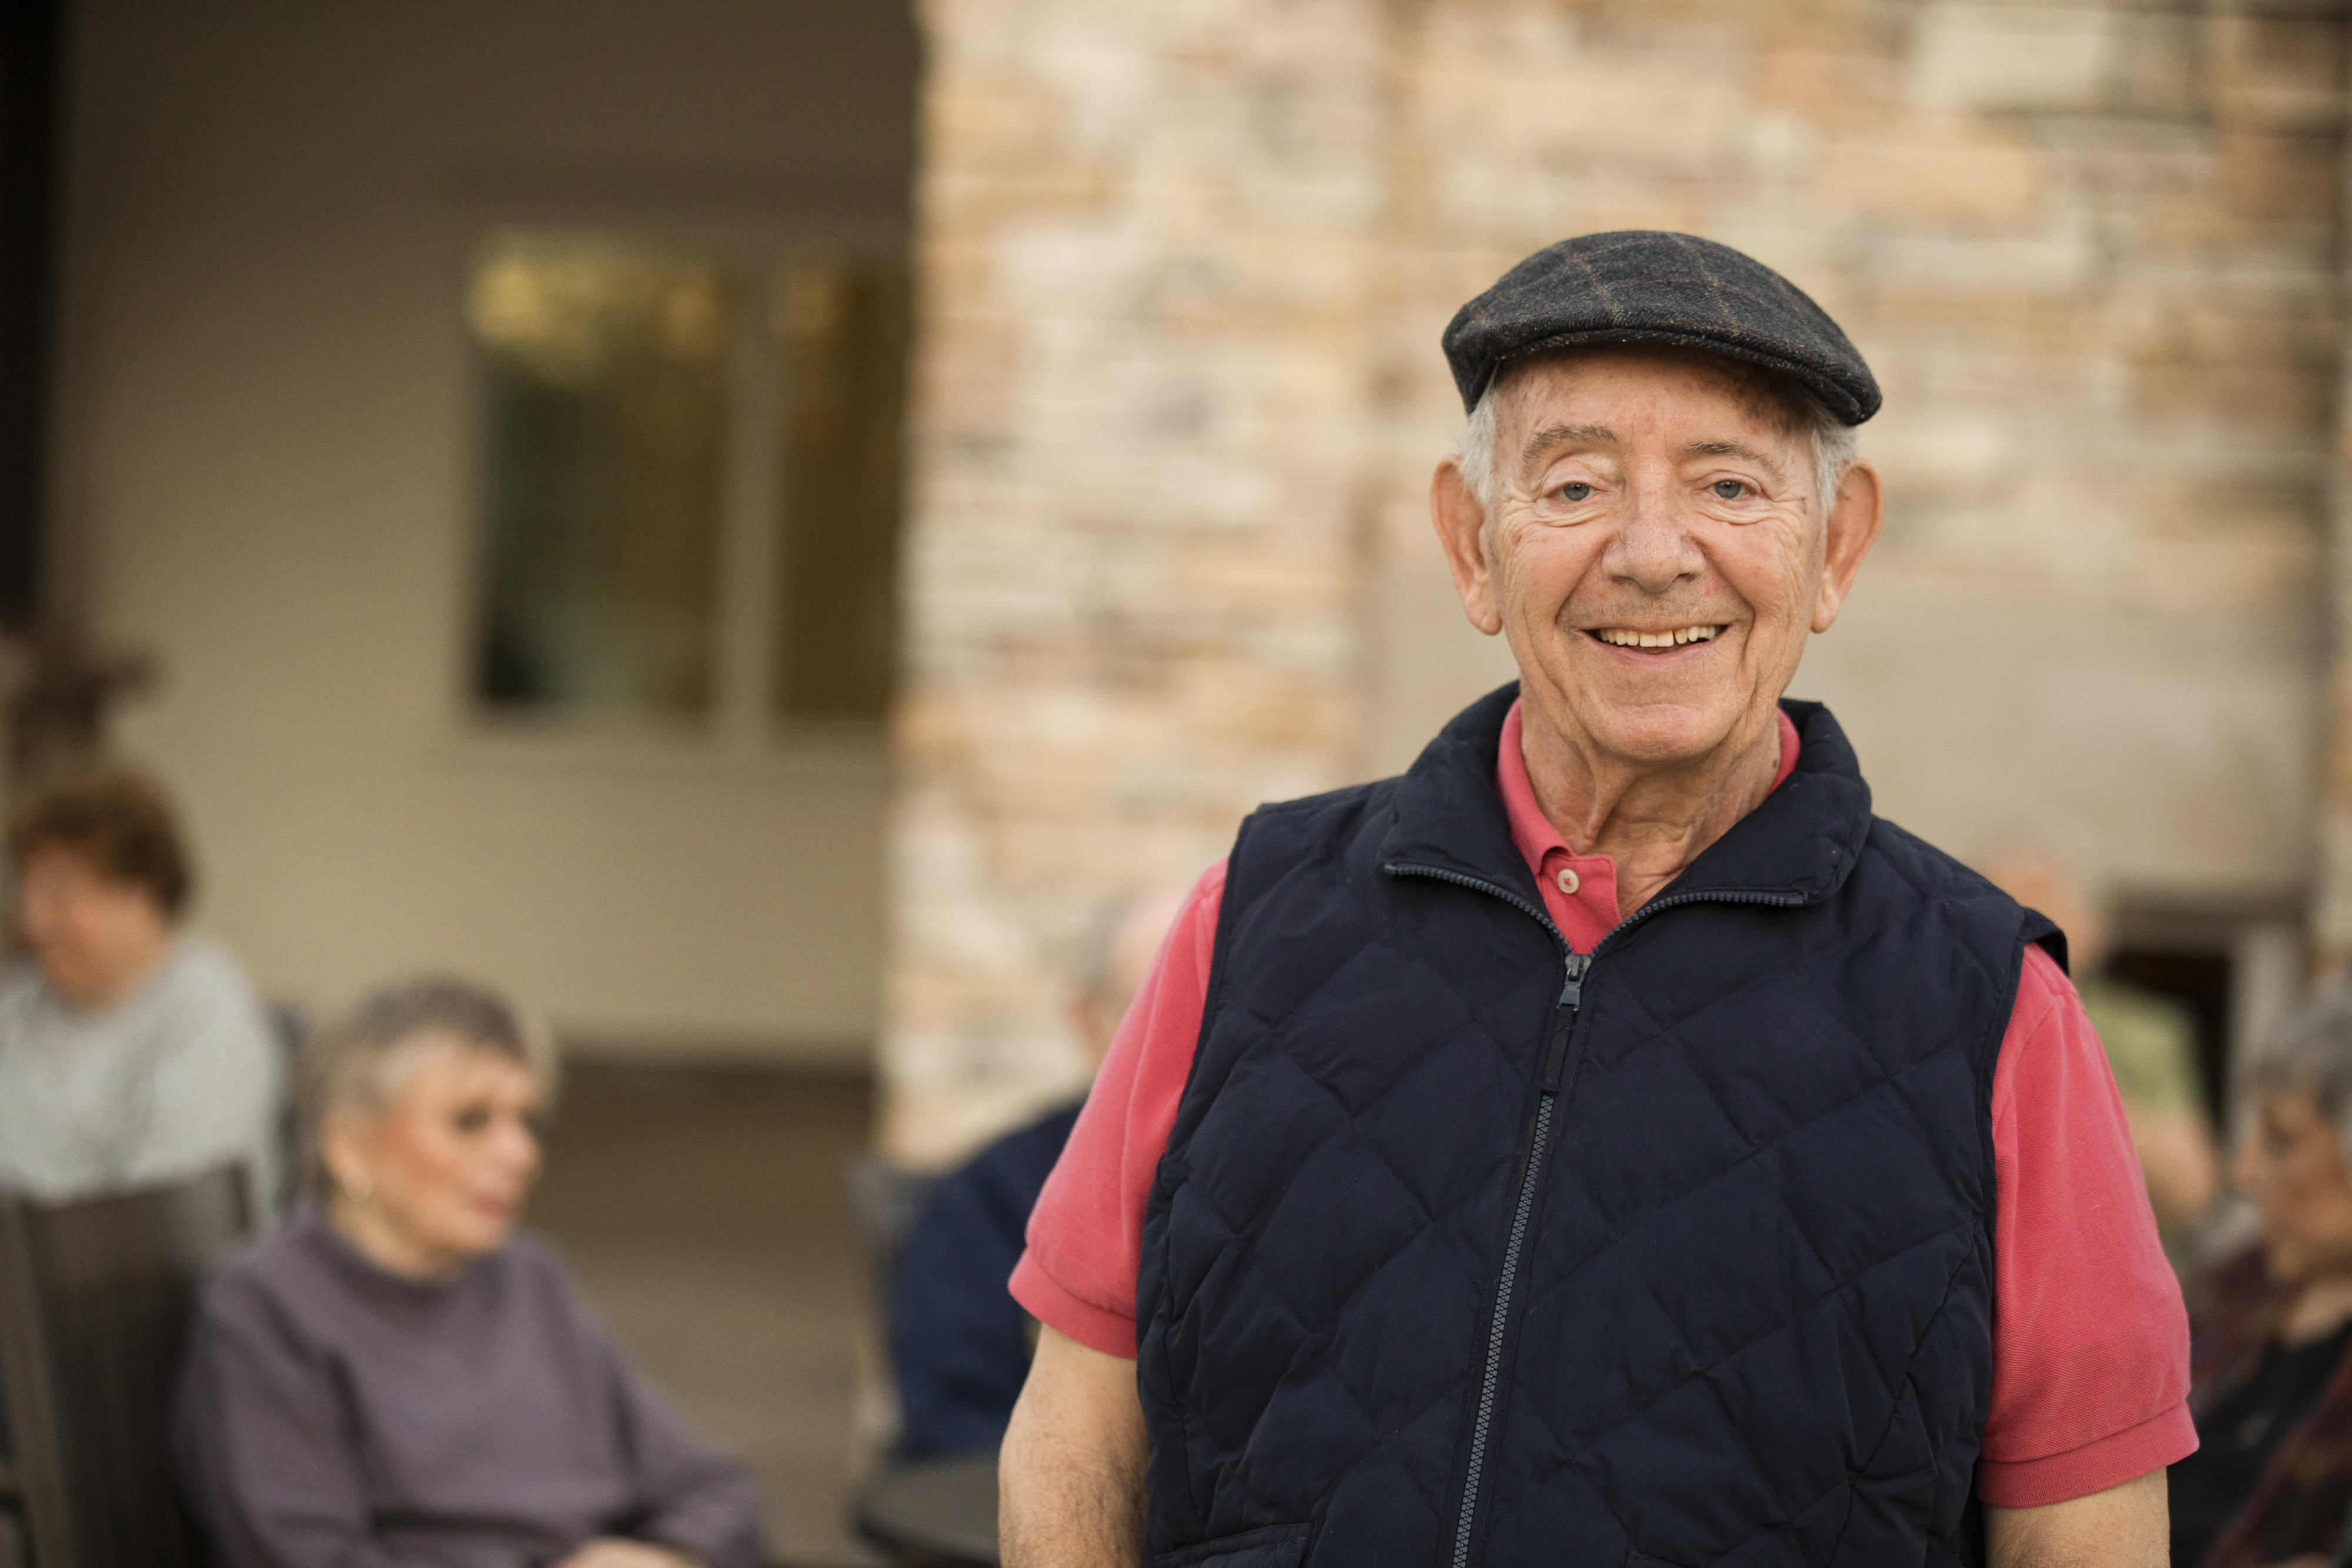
[1574, 490]
[1729, 489]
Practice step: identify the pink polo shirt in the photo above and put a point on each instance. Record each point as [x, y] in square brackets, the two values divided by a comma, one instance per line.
[2090, 1380]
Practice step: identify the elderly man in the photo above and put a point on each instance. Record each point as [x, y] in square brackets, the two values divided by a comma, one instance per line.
[1607, 1143]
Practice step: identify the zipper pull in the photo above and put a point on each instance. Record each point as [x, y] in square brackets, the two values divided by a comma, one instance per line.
[1563, 1021]
[1571, 995]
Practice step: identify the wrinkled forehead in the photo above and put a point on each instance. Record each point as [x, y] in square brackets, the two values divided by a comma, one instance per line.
[1605, 385]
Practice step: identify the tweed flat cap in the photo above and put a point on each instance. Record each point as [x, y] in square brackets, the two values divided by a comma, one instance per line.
[1640, 286]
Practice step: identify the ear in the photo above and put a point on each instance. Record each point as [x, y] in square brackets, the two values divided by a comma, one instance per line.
[342, 1149]
[1853, 522]
[1460, 520]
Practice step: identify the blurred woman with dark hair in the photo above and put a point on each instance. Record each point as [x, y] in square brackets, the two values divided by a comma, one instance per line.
[2272, 1477]
[398, 1376]
[131, 1052]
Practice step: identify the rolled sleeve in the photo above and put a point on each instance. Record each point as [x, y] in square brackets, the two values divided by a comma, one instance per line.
[2109, 1461]
[1066, 1312]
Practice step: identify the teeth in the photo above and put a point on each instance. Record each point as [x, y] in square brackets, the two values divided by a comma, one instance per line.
[1625, 637]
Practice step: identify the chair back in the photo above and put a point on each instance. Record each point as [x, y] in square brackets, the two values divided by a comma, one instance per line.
[96, 1298]
[287, 1029]
[882, 1198]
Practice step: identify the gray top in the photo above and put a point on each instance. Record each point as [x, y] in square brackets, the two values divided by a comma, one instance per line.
[331, 1414]
[184, 1075]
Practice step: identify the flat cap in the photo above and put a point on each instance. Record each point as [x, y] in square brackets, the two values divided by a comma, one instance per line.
[1640, 286]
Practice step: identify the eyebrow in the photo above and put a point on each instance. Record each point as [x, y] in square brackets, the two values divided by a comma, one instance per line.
[1556, 436]
[1732, 449]
[1552, 437]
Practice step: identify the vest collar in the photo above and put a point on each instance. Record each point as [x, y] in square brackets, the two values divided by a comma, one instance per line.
[1795, 848]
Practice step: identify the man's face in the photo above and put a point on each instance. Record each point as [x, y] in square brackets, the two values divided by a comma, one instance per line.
[1652, 550]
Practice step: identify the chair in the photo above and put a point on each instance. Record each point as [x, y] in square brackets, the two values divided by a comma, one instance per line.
[883, 1198]
[287, 1028]
[934, 1513]
[95, 1301]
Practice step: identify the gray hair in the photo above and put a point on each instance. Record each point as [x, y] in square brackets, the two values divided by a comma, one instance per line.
[1835, 443]
[358, 1061]
[1097, 954]
[2311, 1055]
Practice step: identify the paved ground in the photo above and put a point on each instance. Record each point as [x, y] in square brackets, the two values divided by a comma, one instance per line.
[704, 1215]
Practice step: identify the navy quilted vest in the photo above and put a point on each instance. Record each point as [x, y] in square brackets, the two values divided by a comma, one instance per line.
[1470, 1250]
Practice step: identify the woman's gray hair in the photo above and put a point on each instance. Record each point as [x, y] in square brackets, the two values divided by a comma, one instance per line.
[2311, 1055]
[1836, 445]
[358, 1060]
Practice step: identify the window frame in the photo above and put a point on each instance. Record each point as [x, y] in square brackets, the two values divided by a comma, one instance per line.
[744, 730]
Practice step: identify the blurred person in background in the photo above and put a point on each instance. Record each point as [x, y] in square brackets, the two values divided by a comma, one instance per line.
[131, 1052]
[399, 1375]
[2273, 1397]
[960, 1343]
[2151, 1045]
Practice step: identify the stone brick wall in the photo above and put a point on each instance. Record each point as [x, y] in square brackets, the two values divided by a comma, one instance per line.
[1134, 568]
[1185, 265]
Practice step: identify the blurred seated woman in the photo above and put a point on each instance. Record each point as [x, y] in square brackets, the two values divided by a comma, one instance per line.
[129, 1053]
[2272, 1390]
[398, 1376]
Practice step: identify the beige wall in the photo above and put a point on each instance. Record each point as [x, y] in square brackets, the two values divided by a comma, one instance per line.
[264, 476]
[1188, 263]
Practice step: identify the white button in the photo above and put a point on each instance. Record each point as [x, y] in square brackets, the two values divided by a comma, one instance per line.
[1568, 881]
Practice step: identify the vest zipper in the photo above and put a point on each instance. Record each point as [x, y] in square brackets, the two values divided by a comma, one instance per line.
[1771, 900]
[1555, 1061]
[1548, 1084]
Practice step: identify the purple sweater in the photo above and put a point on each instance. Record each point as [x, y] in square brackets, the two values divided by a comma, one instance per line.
[334, 1415]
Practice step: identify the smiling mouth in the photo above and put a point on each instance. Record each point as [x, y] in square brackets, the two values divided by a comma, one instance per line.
[1655, 642]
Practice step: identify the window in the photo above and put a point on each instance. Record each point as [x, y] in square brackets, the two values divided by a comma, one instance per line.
[689, 483]
[845, 335]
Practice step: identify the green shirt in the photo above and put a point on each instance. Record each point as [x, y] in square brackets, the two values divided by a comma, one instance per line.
[2151, 1044]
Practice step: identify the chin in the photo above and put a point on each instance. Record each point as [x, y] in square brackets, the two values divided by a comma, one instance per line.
[1662, 734]
[2285, 1265]
[477, 1239]
[63, 980]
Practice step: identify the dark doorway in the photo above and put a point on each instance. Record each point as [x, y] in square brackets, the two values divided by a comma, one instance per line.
[2199, 981]
[32, 36]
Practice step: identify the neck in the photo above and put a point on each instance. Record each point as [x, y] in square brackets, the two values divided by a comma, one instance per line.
[138, 966]
[2317, 1309]
[1651, 820]
[375, 1237]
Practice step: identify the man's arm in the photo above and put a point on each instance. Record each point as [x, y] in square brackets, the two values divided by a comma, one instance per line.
[1071, 1474]
[2127, 1526]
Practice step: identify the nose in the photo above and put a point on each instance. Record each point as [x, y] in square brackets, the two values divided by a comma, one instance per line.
[516, 1150]
[2245, 1168]
[1653, 550]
